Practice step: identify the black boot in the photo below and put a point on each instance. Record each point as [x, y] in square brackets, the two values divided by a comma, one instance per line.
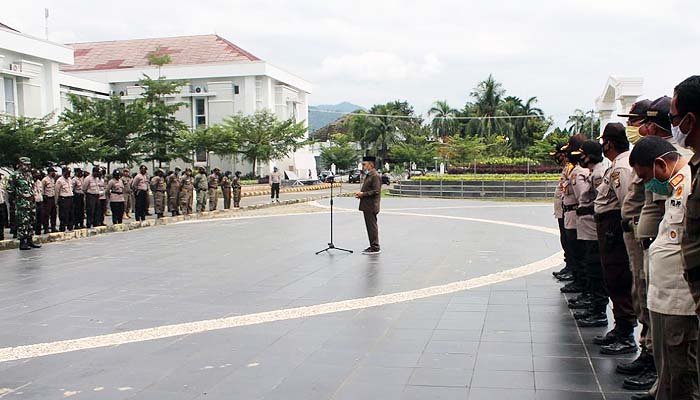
[608, 338]
[642, 396]
[572, 287]
[23, 245]
[624, 344]
[642, 363]
[593, 321]
[641, 382]
[33, 245]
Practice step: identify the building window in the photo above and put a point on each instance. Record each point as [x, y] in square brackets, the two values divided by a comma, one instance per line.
[236, 89]
[200, 156]
[9, 84]
[200, 112]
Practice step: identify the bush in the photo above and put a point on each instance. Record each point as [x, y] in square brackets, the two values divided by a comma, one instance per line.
[491, 177]
[505, 169]
[506, 161]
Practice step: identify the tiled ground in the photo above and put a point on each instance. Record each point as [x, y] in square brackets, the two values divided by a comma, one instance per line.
[512, 340]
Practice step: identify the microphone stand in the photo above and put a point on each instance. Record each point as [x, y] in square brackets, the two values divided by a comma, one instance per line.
[332, 246]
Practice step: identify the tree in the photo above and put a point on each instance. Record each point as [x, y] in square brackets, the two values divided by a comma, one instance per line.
[340, 152]
[45, 143]
[115, 124]
[444, 123]
[462, 151]
[262, 137]
[415, 149]
[216, 139]
[161, 127]
[541, 148]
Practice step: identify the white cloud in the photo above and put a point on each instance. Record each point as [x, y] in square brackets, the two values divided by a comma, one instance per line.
[378, 66]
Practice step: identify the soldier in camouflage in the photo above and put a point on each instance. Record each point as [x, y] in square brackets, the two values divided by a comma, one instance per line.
[21, 187]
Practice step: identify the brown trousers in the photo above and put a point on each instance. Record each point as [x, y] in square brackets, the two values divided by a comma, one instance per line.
[639, 287]
[675, 346]
[616, 268]
[372, 229]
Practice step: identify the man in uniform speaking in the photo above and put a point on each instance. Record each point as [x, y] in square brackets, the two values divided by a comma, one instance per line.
[370, 195]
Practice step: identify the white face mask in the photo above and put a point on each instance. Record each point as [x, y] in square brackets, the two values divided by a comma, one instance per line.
[678, 135]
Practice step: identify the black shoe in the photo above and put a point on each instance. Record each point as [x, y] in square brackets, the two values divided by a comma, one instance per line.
[54, 230]
[562, 271]
[594, 321]
[623, 345]
[371, 251]
[579, 315]
[32, 244]
[644, 362]
[46, 231]
[571, 288]
[581, 297]
[565, 278]
[641, 382]
[642, 396]
[608, 338]
[23, 245]
[580, 305]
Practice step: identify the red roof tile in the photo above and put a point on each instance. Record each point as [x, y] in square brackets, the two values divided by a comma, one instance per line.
[183, 50]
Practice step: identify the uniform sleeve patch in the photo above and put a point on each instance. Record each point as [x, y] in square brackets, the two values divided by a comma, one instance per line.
[673, 235]
[679, 191]
[677, 180]
[615, 174]
[616, 181]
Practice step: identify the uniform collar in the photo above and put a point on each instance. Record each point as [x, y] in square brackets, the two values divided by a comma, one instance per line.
[695, 160]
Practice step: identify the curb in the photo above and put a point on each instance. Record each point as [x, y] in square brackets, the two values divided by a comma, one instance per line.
[291, 190]
[129, 226]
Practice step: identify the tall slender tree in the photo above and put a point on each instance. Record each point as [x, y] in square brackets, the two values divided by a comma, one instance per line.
[444, 123]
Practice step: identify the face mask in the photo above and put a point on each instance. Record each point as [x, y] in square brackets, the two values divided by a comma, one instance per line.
[678, 134]
[660, 187]
[366, 172]
[633, 134]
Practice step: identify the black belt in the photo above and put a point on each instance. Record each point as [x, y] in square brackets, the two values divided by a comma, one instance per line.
[646, 243]
[608, 215]
[692, 275]
[571, 207]
[66, 197]
[585, 210]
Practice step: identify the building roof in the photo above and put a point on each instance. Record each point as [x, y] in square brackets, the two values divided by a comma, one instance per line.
[3, 26]
[183, 50]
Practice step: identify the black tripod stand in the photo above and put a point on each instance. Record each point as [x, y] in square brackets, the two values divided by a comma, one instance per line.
[331, 246]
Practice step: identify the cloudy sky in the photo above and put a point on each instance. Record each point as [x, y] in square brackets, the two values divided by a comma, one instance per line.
[367, 52]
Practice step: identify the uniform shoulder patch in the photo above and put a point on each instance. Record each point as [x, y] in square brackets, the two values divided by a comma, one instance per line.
[677, 180]
[615, 174]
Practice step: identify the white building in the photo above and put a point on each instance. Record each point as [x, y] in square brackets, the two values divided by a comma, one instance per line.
[223, 80]
[618, 96]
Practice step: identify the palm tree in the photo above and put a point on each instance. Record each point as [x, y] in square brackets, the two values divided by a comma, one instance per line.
[488, 96]
[577, 121]
[444, 123]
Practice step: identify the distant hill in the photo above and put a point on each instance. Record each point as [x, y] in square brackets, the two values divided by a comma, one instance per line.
[318, 119]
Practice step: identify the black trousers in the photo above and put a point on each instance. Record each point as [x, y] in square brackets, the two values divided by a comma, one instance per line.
[49, 213]
[65, 213]
[576, 252]
[275, 193]
[141, 205]
[91, 209]
[100, 218]
[372, 229]
[3, 220]
[117, 208]
[79, 209]
[616, 269]
[39, 217]
[562, 240]
[594, 274]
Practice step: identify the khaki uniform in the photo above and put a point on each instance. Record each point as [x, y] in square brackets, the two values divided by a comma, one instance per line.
[672, 307]
[186, 191]
[158, 189]
[618, 276]
[128, 195]
[226, 190]
[632, 208]
[200, 184]
[213, 184]
[575, 247]
[236, 184]
[173, 188]
[559, 210]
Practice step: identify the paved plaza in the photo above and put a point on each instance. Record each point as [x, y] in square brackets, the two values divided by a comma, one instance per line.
[460, 305]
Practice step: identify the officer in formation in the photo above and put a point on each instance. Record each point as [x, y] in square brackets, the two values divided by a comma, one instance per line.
[23, 192]
[226, 189]
[202, 187]
[213, 186]
[236, 185]
[644, 253]
[173, 189]
[158, 189]
[186, 192]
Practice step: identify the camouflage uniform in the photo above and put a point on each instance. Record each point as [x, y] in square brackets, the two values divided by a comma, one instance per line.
[186, 190]
[158, 189]
[173, 188]
[21, 187]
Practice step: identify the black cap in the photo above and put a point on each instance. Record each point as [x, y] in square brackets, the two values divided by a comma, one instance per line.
[50, 169]
[369, 158]
[614, 130]
[658, 112]
[638, 109]
[557, 149]
[590, 148]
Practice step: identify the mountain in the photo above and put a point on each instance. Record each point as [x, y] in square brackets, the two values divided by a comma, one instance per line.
[318, 118]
